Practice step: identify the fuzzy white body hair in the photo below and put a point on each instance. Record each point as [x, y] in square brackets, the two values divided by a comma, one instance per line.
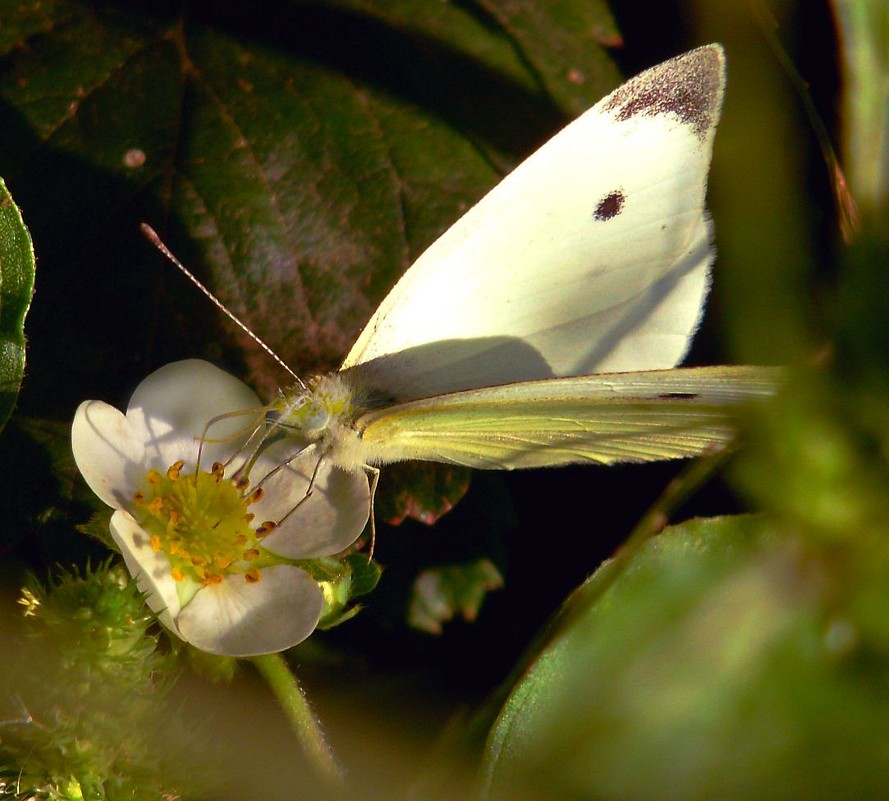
[340, 439]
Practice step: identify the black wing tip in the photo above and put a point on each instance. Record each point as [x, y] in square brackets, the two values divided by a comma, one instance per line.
[688, 87]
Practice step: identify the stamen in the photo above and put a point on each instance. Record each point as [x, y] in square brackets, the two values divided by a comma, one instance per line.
[201, 523]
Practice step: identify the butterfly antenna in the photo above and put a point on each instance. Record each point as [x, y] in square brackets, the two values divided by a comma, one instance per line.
[155, 240]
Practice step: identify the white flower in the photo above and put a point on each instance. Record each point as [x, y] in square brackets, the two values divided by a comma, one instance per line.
[210, 546]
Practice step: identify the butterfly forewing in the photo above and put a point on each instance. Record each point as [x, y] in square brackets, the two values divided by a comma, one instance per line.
[592, 256]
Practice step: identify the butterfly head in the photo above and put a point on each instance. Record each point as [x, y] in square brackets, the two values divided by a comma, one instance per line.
[299, 411]
[309, 411]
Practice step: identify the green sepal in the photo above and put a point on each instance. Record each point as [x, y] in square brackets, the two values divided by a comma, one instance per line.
[341, 582]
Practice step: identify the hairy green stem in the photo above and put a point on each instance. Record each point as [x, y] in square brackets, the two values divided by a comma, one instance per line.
[290, 695]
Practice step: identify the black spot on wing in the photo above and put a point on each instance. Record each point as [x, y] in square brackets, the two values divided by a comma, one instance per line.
[688, 87]
[610, 205]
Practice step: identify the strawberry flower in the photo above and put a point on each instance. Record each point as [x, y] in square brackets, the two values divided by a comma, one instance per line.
[219, 537]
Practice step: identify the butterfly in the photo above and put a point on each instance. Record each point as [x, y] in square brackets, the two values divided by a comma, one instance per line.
[543, 328]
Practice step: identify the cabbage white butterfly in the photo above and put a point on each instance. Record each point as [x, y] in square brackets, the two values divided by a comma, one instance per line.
[542, 327]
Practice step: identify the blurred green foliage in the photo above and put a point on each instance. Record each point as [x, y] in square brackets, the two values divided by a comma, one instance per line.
[299, 156]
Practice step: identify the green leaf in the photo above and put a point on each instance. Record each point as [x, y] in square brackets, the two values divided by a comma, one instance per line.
[16, 288]
[42, 492]
[561, 42]
[297, 156]
[563, 54]
[717, 666]
[441, 593]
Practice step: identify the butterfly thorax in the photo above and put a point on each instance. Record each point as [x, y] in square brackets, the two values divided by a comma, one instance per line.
[322, 412]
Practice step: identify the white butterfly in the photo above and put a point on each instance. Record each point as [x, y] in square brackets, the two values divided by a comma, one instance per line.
[541, 329]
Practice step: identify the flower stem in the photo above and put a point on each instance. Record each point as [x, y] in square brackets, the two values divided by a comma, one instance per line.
[306, 726]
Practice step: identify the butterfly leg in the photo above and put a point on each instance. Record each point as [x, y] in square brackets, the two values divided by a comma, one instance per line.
[373, 478]
[309, 489]
[204, 438]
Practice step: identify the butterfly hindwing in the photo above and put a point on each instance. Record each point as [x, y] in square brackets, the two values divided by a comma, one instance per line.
[619, 417]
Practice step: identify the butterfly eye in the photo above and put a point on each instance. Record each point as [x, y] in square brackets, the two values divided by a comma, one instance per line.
[312, 419]
[300, 413]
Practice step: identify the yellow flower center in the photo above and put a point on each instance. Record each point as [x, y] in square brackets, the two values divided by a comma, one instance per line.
[202, 523]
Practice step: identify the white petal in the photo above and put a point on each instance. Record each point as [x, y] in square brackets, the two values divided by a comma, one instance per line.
[235, 618]
[326, 522]
[151, 569]
[109, 452]
[173, 405]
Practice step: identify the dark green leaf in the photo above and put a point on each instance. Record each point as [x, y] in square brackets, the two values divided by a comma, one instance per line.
[570, 68]
[16, 287]
[297, 156]
[42, 494]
